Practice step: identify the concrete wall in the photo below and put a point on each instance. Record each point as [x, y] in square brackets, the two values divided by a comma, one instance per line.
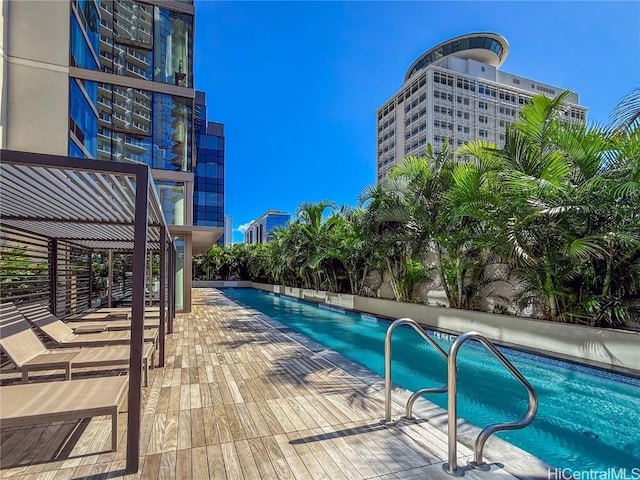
[614, 349]
[35, 88]
[220, 284]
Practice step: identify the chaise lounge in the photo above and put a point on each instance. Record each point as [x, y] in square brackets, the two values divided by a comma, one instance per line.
[64, 336]
[82, 326]
[28, 353]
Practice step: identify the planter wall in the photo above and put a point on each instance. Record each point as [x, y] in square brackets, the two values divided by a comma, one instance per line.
[221, 283]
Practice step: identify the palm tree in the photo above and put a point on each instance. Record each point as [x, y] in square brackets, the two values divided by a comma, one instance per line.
[626, 115]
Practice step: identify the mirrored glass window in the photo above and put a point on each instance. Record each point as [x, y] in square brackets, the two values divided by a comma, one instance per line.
[179, 243]
[83, 115]
[172, 200]
[84, 48]
[173, 47]
[126, 38]
[172, 126]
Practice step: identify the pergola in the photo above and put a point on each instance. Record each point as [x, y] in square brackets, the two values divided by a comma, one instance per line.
[98, 205]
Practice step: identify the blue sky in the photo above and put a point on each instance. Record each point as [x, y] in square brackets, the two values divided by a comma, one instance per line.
[297, 84]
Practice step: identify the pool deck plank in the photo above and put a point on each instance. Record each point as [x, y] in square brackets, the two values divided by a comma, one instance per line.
[238, 398]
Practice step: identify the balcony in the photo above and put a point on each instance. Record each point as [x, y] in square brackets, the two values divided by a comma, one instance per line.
[107, 40]
[105, 9]
[118, 4]
[103, 118]
[104, 105]
[106, 27]
[137, 145]
[105, 148]
[121, 106]
[146, 106]
[141, 127]
[135, 57]
[137, 72]
[143, 94]
[121, 120]
[141, 114]
[123, 20]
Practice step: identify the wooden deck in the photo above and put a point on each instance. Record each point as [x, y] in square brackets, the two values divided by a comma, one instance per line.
[240, 398]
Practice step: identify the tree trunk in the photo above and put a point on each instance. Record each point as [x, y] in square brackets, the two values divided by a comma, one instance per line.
[606, 286]
[551, 296]
[443, 279]
[364, 277]
[394, 284]
[459, 282]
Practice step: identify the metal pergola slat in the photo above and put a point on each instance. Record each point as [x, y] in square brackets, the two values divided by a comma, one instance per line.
[99, 205]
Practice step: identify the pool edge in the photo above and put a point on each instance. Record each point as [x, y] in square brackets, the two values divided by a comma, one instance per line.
[513, 459]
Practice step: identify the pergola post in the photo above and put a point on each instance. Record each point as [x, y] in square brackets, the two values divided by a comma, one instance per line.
[172, 286]
[150, 279]
[169, 292]
[110, 278]
[53, 274]
[134, 414]
[163, 286]
[90, 265]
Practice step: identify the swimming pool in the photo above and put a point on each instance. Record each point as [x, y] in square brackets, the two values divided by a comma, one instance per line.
[584, 420]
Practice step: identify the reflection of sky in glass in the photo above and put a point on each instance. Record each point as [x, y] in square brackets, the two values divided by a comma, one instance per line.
[172, 201]
[84, 123]
[172, 132]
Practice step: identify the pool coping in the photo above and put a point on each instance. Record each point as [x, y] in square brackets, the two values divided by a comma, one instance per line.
[611, 372]
[498, 452]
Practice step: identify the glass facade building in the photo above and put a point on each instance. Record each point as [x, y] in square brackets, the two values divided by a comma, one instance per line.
[208, 195]
[134, 39]
[114, 122]
[131, 98]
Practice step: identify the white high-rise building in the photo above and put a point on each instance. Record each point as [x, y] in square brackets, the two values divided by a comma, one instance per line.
[455, 91]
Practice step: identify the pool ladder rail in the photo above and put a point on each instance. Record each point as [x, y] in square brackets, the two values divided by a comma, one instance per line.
[451, 358]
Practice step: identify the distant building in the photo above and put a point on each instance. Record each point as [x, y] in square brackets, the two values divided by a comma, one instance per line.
[260, 229]
[228, 231]
[208, 193]
[454, 92]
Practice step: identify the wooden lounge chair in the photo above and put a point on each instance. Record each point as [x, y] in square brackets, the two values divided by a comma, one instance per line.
[114, 312]
[59, 401]
[64, 336]
[82, 326]
[97, 316]
[124, 309]
[28, 353]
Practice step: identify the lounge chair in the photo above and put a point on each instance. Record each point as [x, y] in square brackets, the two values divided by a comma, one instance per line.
[59, 401]
[115, 312]
[85, 326]
[124, 310]
[28, 353]
[64, 336]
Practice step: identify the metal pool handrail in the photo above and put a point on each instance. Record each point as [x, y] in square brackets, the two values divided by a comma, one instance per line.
[452, 467]
[387, 369]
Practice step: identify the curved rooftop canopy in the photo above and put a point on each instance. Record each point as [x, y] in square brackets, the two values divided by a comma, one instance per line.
[489, 48]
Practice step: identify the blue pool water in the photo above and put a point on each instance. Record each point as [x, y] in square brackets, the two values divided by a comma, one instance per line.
[584, 421]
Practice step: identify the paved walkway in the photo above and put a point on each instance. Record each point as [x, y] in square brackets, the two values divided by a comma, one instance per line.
[242, 398]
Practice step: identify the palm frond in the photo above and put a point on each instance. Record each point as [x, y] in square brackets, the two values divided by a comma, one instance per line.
[626, 115]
